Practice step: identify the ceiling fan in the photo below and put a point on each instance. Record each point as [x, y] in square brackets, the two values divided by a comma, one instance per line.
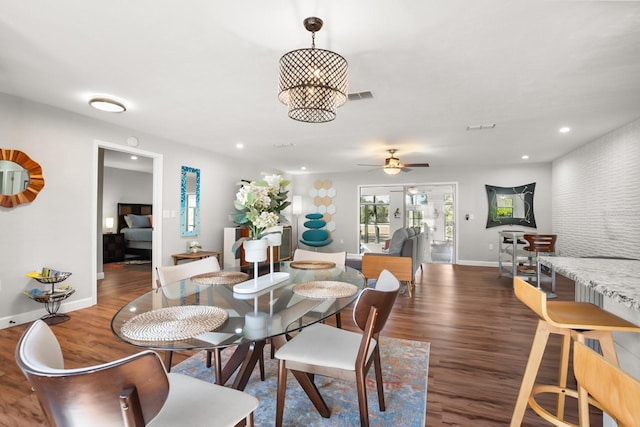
[392, 165]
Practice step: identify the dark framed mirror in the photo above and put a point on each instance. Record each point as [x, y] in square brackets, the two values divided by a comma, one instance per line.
[511, 205]
[20, 178]
[189, 201]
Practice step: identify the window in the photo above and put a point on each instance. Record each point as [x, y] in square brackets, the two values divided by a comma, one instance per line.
[374, 219]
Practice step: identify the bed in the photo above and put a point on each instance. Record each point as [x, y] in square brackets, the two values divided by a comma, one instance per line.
[135, 221]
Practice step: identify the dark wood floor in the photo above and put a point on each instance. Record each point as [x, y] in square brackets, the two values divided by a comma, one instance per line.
[480, 336]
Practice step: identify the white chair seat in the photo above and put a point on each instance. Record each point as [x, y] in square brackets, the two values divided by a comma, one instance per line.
[310, 347]
[227, 409]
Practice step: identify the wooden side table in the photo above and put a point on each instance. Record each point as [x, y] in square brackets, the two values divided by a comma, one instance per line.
[113, 247]
[197, 255]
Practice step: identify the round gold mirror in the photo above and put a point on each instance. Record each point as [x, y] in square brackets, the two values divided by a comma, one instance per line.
[20, 178]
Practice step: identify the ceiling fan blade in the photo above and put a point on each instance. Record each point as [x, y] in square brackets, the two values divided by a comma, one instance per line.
[417, 165]
[376, 166]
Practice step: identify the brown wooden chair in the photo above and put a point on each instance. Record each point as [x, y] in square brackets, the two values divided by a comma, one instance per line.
[615, 391]
[324, 350]
[400, 266]
[563, 318]
[541, 244]
[133, 391]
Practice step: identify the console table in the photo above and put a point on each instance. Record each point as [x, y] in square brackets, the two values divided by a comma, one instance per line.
[196, 255]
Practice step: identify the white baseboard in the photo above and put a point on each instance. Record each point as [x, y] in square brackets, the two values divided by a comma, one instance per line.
[30, 316]
[100, 275]
[478, 263]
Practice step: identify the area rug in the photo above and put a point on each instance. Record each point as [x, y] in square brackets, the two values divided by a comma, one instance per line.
[405, 367]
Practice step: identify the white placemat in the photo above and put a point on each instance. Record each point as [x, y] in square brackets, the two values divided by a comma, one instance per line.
[325, 289]
[221, 278]
[174, 323]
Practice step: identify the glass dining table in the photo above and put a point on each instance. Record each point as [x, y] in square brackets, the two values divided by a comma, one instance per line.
[204, 312]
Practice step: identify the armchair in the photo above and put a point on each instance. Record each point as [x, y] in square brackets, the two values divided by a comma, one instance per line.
[407, 242]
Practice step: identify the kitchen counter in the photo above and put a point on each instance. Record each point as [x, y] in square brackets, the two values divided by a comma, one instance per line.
[614, 278]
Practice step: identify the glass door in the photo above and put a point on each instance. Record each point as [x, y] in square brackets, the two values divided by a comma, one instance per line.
[374, 222]
[430, 207]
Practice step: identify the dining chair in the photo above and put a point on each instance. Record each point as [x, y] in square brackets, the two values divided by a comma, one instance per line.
[174, 273]
[615, 392]
[132, 391]
[327, 351]
[400, 266]
[339, 258]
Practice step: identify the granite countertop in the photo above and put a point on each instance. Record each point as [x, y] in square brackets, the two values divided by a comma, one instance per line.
[615, 278]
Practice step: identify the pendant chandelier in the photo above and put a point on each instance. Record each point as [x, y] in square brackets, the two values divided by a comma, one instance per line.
[313, 82]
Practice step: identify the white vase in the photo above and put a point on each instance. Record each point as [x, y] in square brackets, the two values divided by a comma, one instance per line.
[275, 238]
[255, 250]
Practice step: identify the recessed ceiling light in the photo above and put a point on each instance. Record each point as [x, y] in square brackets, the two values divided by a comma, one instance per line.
[565, 129]
[134, 157]
[525, 157]
[304, 168]
[239, 145]
[109, 105]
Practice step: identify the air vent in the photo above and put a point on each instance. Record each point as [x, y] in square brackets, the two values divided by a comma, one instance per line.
[481, 127]
[358, 96]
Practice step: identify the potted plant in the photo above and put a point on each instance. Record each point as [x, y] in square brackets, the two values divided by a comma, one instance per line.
[259, 205]
[193, 247]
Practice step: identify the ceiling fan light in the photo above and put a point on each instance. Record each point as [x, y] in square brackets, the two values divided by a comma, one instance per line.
[392, 170]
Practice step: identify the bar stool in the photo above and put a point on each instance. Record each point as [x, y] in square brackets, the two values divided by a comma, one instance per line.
[618, 396]
[545, 244]
[561, 318]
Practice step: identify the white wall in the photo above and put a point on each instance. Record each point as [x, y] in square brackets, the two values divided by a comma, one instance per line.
[56, 229]
[473, 237]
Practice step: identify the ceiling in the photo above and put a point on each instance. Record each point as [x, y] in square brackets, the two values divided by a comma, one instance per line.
[205, 73]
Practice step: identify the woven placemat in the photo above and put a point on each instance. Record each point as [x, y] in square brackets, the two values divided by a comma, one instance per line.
[221, 278]
[312, 265]
[325, 289]
[174, 323]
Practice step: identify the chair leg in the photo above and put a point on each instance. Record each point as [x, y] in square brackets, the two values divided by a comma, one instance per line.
[168, 359]
[261, 365]
[529, 377]
[379, 384]
[562, 373]
[338, 320]
[361, 385]
[282, 390]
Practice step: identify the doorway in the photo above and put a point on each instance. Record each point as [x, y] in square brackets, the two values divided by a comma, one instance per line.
[430, 207]
[100, 147]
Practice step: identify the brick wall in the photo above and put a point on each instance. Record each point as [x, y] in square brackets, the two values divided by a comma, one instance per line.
[596, 196]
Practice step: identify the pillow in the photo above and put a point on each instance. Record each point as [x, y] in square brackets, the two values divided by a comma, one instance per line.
[397, 241]
[129, 221]
[140, 221]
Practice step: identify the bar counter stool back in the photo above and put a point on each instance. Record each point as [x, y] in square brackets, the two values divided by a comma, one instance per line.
[541, 244]
[561, 318]
[618, 395]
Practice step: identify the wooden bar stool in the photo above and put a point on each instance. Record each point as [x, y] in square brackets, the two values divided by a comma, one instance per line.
[618, 395]
[561, 318]
[542, 244]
